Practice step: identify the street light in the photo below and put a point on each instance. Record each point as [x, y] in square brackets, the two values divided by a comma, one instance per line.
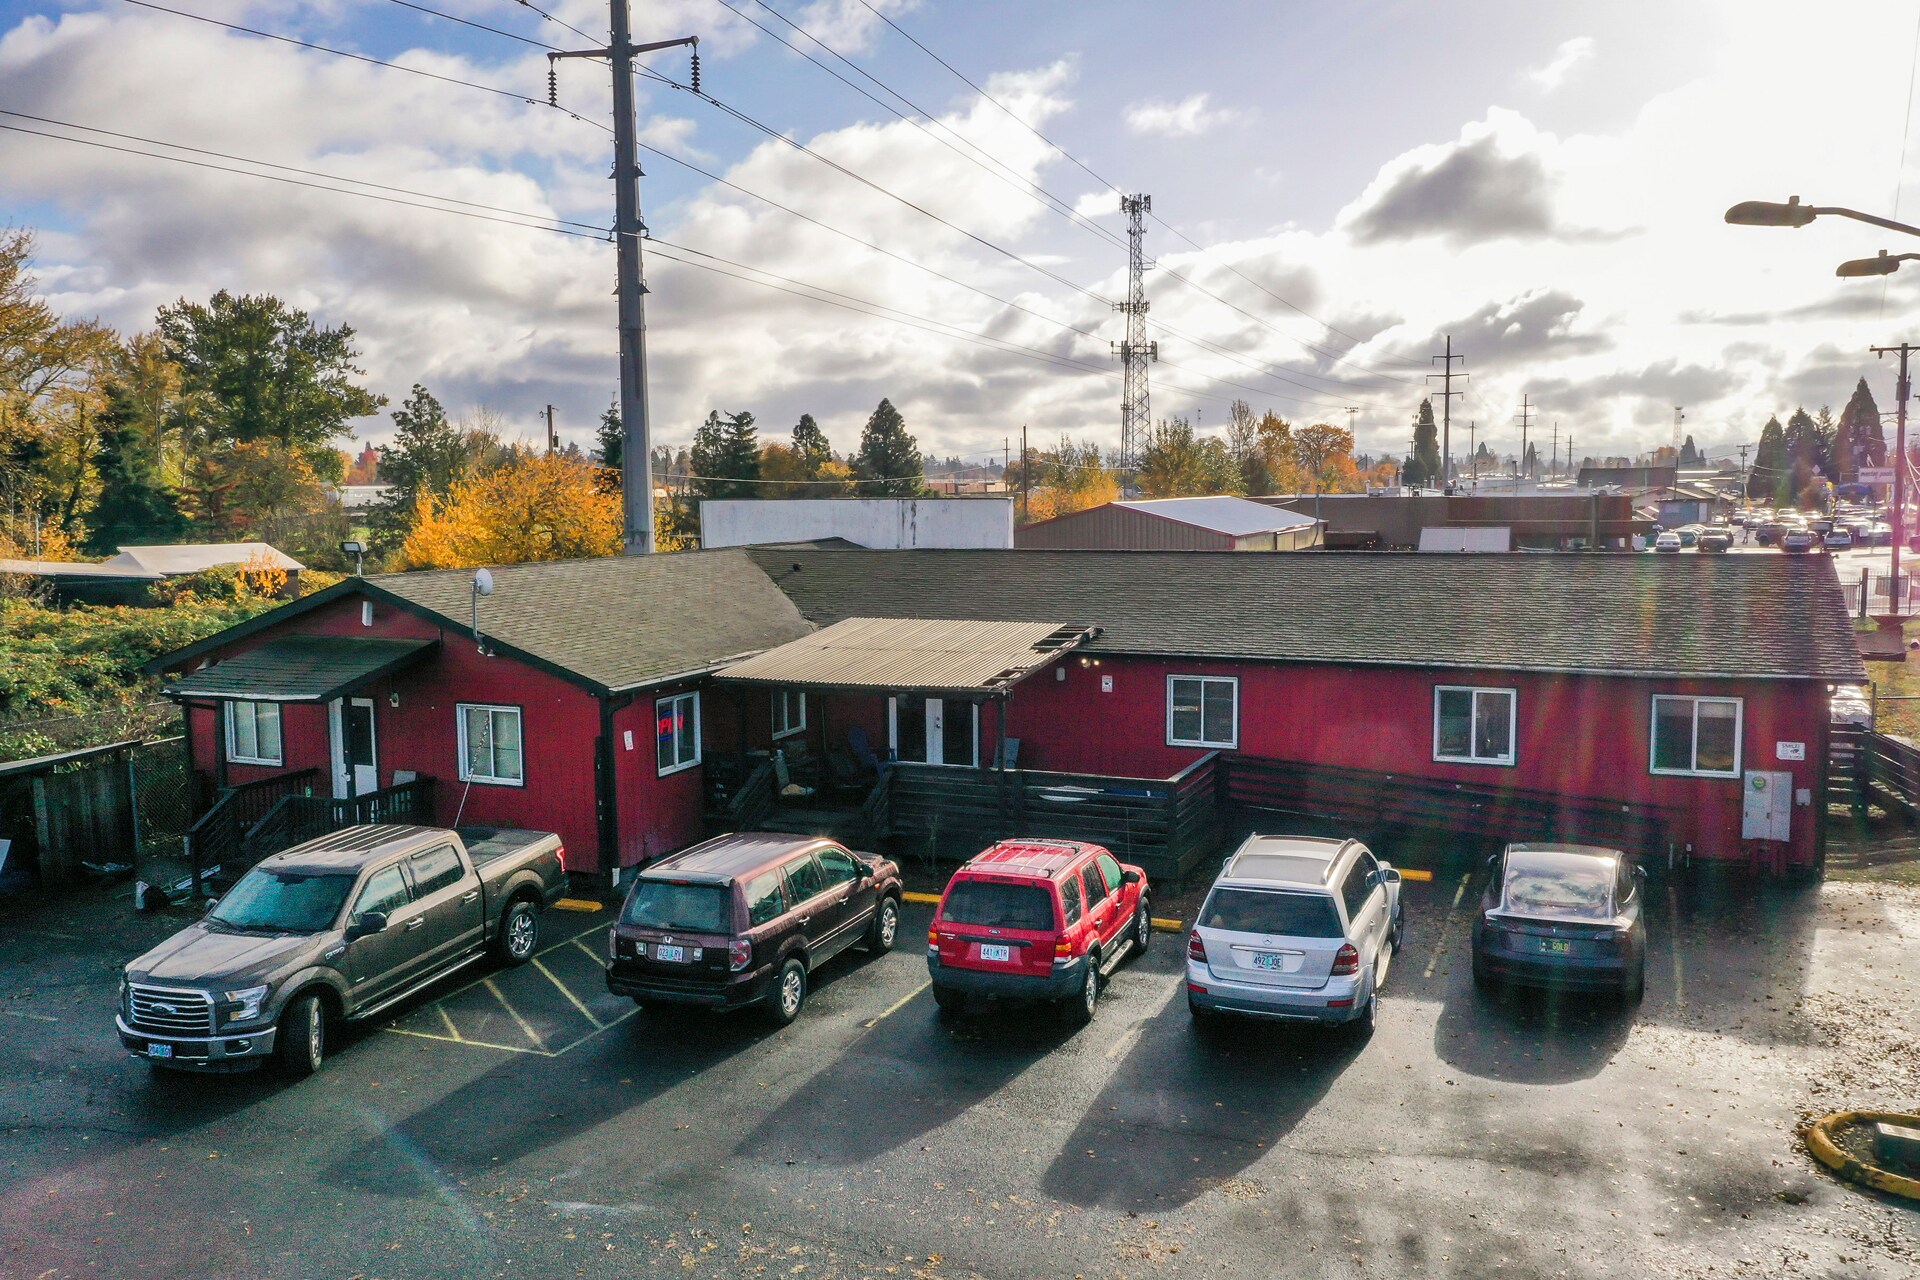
[1884, 265]
[1767, 213]
[358, 551]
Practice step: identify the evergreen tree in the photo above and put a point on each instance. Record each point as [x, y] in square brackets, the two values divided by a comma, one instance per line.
[1690, 455]
[610, 439]
[1858, 440]
[1530, 464]
[134, 505]
[1422, 467]
[726, 456]
[888, 463]
[427, 455]
[1805, 450]
[810, 442]
[1769, 461]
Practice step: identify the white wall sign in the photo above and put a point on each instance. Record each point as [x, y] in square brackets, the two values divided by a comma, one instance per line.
[1106, 684]
[1876, 475]
[1789, 751]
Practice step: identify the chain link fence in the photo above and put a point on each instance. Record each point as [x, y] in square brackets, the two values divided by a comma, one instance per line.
[163, 789]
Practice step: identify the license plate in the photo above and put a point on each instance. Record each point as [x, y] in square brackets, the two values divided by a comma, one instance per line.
[159, 1051]
[670, 953]
[1269, 960]
[995, 951]
[1556, 946]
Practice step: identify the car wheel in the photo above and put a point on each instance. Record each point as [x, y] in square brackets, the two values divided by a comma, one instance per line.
[789, 992]
[301, 1044]
[1080, 1006]
[885, 926]
[1361, 1028]
[519, 935]
[952, 1003]
[1636, 987]
[1142, 928]
[1205, 1021]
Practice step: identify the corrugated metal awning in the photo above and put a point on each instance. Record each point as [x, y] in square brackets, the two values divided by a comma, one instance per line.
[938, 655]
[300, 669]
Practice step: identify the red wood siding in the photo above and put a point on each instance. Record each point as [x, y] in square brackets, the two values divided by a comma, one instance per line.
[559, 725]
[657, 814]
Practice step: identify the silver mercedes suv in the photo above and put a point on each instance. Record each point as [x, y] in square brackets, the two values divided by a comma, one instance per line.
[1295, 927]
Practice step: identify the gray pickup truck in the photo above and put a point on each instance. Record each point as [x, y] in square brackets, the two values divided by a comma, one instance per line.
[335, 930]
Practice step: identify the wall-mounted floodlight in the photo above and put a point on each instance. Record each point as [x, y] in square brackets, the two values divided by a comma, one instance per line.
[482, 586]
[358, 551]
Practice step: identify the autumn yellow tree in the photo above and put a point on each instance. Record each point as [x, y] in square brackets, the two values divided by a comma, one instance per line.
[535, 507]
[1072, 477]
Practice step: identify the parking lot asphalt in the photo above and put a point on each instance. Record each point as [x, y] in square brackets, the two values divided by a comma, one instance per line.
[524, 1123]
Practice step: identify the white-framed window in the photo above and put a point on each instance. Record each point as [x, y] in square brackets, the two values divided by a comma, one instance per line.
[1473, 725]
[789, 712]
[491, 749]
[676, 732]
[1203, 711]
[253, 733]
[1697, 737]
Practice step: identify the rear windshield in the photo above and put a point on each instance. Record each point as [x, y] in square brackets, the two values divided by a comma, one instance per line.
[1561, 885]
[1294, 915]
[690, 908]
[998, 906]
[286, 901]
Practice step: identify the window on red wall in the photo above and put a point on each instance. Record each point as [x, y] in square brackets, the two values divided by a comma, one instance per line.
[253, 732]
[1699, 737]
[677, 732]
[1473, 726]
[1203, 711]
[789, 712]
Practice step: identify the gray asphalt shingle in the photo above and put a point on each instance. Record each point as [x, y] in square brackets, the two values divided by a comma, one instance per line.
[1764, 616]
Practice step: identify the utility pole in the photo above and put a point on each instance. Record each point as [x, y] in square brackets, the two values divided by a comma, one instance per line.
[1553, 465]
[1526, 414]
[1746, 481]
[1135, 352]
[1024, 467]
[1473, 454]
[1353, 421]
[553, 441]
[636, 446]
[1901, 390]
[1447, 375]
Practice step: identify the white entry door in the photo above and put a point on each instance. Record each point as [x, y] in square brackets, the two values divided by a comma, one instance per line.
[934, 730]
[356, 757]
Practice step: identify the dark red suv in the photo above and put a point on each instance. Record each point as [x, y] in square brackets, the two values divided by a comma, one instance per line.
[1037, 920]
[745, 919]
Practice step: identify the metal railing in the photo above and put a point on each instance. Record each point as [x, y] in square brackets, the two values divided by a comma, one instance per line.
[297, 818]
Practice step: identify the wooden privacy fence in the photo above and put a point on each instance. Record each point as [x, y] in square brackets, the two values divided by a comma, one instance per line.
[1882, 768]
[1369, 799]
[1165, 825]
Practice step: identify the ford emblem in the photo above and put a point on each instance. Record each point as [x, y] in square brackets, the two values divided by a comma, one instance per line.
[165, 1008]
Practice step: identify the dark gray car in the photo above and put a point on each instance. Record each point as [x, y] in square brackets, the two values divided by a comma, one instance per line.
[1563, 915]
[336, 929]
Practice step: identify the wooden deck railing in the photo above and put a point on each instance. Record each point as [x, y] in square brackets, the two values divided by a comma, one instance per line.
[216, 840]
[295, 818]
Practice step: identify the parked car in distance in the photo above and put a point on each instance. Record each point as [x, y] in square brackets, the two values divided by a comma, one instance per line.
[336, 929]
[1850, 704]
[1769, 533]
[1839, 540]
[1799, 540]
[1667, 542]
[1562, 915]
[1689, 534]
[746, 920]
[1037, 920]
[1297, 928]
[1716, 540]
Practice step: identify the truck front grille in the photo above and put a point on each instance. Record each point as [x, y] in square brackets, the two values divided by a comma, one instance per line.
[168, 1011]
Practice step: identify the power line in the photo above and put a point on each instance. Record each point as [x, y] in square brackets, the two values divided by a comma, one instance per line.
[481, 26]
[371, 61]
[560, 22]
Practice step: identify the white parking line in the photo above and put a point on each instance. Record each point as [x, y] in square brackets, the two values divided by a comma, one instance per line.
[1446, 926]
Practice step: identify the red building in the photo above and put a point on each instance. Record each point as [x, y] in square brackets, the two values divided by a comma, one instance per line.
[1676, 704]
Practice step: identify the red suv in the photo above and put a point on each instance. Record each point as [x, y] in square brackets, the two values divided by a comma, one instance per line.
[1037, 920]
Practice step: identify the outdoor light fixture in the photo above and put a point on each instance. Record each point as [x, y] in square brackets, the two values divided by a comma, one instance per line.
[1883, 265]
[358, 551]
[1768, 213]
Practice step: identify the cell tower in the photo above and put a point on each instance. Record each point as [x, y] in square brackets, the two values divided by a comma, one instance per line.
[1136, 352]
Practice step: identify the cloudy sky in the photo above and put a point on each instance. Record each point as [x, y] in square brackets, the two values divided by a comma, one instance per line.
[1335, 189]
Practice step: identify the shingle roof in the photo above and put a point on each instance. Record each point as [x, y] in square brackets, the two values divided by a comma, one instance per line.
[1235, 517]
[301, 669]
[619, 622]
[1760, 616]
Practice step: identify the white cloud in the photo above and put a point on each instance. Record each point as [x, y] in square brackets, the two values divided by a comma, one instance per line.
[1188, 118]
[1096, 204]
[1554, 72]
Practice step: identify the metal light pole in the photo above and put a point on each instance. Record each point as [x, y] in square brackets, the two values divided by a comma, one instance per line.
[1901, 390]
[636, 454]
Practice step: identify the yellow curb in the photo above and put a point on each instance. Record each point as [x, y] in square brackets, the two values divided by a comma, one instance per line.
[1169, 926]
[577, 904]
[932, 899]
[1408, 873]
[1820, 1143]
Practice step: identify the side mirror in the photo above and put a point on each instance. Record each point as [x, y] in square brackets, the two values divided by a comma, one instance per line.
[1392, 874]
[366, 924]
[1129, 877]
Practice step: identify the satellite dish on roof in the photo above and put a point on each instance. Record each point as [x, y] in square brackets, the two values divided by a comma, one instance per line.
[483, 582]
